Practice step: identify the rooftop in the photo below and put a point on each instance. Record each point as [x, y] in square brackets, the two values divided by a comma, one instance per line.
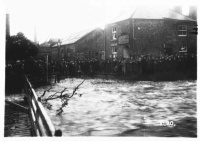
[150, 12]
[75, 37]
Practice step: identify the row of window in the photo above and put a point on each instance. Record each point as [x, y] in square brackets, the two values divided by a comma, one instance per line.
[182, 31]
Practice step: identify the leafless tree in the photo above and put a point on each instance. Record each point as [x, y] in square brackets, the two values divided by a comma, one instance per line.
[64, 97]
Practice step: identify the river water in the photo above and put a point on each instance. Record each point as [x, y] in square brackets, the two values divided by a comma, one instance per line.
[122, 108]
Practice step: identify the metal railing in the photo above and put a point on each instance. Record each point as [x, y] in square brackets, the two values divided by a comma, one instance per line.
[42, 80]
[41, 123]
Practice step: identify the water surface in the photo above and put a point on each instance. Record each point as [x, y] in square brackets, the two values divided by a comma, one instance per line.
[121, 108]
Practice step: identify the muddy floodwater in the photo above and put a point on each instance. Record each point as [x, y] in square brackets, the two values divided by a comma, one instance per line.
[121, 108]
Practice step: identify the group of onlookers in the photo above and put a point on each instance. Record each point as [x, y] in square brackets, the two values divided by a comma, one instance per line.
[151, 64]
[72, 68]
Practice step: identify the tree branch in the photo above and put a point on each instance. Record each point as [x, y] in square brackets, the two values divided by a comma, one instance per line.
[46, 91]
[76, 88]
[64, 97]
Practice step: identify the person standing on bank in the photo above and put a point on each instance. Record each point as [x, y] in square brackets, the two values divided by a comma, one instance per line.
[123, 63]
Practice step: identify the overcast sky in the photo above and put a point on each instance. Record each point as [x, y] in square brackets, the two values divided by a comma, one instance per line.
[59, 18]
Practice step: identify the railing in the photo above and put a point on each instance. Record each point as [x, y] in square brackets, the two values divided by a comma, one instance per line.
[18, 106]
[42, 80]
[41, 123]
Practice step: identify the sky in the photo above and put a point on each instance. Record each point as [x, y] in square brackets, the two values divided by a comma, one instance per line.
[59, 18]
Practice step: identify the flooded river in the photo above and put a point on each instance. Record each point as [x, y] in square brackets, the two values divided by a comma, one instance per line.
[121, 108]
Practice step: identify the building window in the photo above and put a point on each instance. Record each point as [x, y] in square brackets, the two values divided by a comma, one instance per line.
[114, 33]
[114, 37]
[114, 29]
[183, 49]
[114, 49]
[114, 52]
[182, 30]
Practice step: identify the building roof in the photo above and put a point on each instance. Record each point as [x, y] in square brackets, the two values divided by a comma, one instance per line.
[150, 12]
[75, 37]
[45, 44]
[54, 40]
[50, 42]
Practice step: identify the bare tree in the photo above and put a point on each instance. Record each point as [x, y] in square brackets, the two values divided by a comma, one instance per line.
[64, 98]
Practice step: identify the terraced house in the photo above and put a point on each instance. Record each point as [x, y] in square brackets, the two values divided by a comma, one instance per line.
[150, 30]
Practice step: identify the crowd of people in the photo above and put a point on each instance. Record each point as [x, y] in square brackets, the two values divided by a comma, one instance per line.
[140, 65]
[152, 64]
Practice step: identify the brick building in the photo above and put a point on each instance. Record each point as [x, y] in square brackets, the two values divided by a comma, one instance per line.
[86, 44]
[141, 31]
[149, 30]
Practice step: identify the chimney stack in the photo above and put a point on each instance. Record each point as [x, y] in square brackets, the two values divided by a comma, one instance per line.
[35, 35]
[178, 9]
[7, 25]
[193, 12]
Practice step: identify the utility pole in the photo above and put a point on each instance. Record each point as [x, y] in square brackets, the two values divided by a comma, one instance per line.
[47, 68]
[104, 43]
[35, 35]
[58, 64]
[59, 42]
